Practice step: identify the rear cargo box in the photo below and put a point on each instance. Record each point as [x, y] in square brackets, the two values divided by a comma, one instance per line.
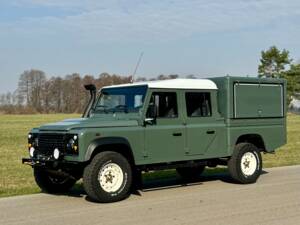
[245, 97]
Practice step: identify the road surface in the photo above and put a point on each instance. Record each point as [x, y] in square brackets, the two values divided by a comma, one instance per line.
[274, 199]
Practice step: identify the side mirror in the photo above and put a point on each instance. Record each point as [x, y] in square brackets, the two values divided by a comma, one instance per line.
[150, 121]
[151, 114]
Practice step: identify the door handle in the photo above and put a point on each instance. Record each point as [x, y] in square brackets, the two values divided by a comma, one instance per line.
[177, 134]
[210, 132]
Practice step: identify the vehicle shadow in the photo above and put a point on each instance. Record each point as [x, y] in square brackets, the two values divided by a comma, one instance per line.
[161, 180]
[175, 181]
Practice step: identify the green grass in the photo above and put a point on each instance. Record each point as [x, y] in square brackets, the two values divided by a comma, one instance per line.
[289, 154]
[17, 179]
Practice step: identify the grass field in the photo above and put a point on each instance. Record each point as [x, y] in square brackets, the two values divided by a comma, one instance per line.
[16, 179]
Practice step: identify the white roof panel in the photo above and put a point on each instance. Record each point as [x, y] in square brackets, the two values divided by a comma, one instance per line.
[174, 84]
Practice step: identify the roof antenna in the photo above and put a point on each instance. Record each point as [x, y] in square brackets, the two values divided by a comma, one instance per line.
[137, 66]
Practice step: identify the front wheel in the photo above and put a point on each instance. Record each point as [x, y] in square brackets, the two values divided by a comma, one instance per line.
[52, 183]
[108, 178]
[245, 164]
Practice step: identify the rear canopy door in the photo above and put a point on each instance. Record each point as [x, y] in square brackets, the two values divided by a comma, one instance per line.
[258, 100]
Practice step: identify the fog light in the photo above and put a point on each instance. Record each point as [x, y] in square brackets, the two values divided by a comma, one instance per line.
[56, 153]
[31, 151]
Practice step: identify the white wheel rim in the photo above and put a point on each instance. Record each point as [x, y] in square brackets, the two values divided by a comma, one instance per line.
[111, 177]
[249, 163]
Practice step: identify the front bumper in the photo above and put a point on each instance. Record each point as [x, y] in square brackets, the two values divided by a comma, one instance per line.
[49, 163]
[37, 162]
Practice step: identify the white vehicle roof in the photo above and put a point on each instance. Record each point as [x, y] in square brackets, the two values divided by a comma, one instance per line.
[173, 84]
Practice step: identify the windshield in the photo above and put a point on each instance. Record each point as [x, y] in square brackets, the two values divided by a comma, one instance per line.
[124, 99]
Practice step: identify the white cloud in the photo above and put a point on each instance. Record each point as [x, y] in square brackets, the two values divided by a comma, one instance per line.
[134, 20]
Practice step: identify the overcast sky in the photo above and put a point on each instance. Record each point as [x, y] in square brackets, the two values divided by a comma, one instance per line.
[201, 37]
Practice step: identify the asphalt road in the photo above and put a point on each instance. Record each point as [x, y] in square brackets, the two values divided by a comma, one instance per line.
[274, 199]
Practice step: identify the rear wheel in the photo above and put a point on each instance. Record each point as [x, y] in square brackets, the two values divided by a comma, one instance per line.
[245, 165]
[52, 183]
[190, 173]
[108, 178]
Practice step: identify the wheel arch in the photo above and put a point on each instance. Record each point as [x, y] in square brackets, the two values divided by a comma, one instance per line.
[255, 139]
[116, 144]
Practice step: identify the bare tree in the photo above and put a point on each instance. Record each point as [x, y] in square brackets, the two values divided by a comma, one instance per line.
[30, 88]
[36, 93]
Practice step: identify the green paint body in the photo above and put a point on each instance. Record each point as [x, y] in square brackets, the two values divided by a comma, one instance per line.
[240, 107]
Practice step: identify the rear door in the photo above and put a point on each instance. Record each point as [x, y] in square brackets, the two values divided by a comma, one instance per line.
[202, 128]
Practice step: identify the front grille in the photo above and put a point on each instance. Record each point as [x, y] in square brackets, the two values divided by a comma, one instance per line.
[48, 142]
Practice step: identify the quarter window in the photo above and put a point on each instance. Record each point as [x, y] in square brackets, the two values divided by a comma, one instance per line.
[198, 104]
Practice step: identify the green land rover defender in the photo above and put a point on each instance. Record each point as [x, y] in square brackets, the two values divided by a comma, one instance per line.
[185, 124]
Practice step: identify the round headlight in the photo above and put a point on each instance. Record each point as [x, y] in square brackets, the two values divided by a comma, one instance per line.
[31, 151]
[75, 137]
[56, 153]
[36, 142]
[29, 136]
[71, 141]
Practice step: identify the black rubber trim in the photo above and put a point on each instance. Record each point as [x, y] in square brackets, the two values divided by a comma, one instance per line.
[104, 141]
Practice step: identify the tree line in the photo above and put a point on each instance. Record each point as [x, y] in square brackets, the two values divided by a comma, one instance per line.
[36, 93]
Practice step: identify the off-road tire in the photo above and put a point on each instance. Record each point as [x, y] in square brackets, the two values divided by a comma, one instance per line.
[51, 183]
[190, 173]
[235, 163]
[92, 172]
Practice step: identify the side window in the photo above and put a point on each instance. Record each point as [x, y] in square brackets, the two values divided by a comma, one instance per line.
[198, 104]
[166, 104]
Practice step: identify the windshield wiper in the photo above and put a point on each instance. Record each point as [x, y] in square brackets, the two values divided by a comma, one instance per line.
[101, 107]
[121, 107]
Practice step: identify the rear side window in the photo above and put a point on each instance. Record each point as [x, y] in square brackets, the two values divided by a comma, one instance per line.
[198, 104]
[166, 104]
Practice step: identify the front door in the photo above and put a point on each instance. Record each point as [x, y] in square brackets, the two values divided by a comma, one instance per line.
[165, 139]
